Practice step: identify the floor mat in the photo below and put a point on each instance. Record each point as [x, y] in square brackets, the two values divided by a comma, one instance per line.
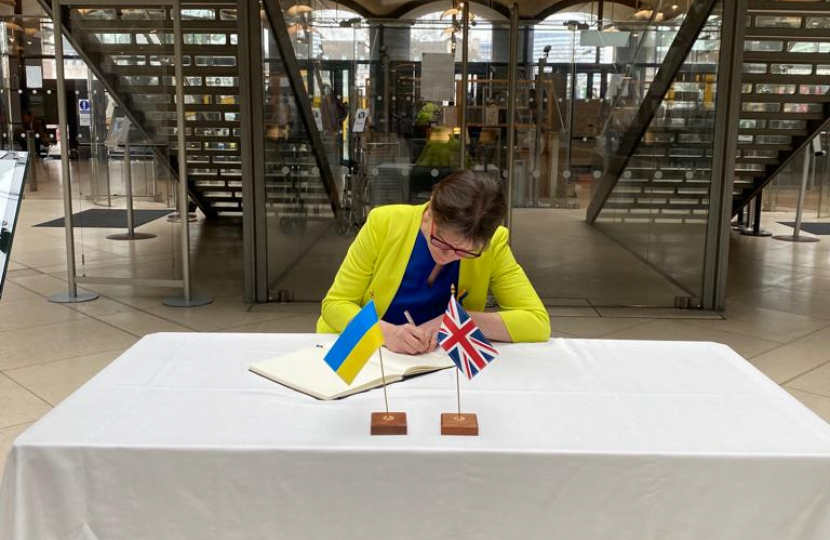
[819, 229]
[108, 218]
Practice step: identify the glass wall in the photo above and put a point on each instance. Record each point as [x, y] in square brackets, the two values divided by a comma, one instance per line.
[659, 208]
[782, 194]
[389, 132]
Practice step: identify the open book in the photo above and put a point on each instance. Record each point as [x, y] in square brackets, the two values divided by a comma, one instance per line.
[306, 371]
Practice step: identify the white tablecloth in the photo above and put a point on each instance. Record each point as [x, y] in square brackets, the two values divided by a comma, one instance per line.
[580, 439]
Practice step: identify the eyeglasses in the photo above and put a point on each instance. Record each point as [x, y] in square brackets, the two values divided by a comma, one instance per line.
[446, 246]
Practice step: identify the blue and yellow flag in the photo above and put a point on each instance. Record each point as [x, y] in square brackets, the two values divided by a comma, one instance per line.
[361, 338]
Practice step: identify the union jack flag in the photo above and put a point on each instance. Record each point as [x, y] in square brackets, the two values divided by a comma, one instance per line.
[464, 341]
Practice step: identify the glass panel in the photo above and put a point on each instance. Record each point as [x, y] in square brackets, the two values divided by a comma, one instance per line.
[803, 107]
[775, 88]
[764, 46]
[126, 44]
[12, 176]
[575, 97]
[814, 88]
[787, 124]
[782, 194]
[791, 69]
[761, 107]
[777, 21]
[659, 208]
[808, 47]
[818, 22]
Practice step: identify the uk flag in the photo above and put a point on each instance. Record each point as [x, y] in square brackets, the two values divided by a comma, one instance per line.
[464, 341]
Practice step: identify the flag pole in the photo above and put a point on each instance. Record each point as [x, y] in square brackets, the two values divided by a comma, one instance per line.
[386, 423]
[458, 391]
[458, 424]
[457, 377]
[383, 378]
[382, 372]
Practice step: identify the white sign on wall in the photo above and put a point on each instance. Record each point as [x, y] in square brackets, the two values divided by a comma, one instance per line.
[438, 77]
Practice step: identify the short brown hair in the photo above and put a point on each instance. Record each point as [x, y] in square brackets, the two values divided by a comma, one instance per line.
[472, 204]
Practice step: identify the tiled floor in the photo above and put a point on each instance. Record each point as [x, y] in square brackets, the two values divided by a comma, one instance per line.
[778, 314]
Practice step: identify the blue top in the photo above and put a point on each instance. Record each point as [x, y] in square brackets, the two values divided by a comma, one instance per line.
[415, 295]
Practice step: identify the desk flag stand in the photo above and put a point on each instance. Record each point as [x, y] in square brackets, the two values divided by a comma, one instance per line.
[459, 423]
[471, 352]
[386, 423]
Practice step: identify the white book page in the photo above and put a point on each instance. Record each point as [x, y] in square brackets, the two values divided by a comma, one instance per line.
[405, 364]
[306, 370]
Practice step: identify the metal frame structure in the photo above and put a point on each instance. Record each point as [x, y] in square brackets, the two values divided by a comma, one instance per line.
[79, 50]
[684, 40]
[254, 220]
[727, 115]
[72, 295]
[274, 15]
[512, 85]
[465, 80]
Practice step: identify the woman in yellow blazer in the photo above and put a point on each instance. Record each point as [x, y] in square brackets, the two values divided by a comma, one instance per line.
[410, 255]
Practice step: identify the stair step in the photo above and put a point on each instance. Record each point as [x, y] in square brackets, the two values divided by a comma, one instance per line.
[135, 26]
[767, 131]
[771, 57]
[761, 146]
[751, 115]
[780, 78]
[785, 98]
[131, 48]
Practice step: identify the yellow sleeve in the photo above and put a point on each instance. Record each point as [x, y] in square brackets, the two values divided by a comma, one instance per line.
[344, 298]
[521, 309]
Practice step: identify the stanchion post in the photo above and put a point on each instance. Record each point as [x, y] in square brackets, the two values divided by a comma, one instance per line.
[753, 227]
[802, 195]
[31, 149]
[188, 300]
[126, 172]
[71, 296]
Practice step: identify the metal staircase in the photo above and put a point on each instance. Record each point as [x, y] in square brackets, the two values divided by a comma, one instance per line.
[785, 101]
[130, 51]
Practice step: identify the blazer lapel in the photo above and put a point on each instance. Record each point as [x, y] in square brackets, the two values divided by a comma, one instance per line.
[401, 254]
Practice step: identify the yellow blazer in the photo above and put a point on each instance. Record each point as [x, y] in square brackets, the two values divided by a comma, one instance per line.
[377, 260]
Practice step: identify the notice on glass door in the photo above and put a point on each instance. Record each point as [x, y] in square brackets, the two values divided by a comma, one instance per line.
[438, 77]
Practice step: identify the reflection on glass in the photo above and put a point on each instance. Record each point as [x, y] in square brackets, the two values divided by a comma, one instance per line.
[12, 175]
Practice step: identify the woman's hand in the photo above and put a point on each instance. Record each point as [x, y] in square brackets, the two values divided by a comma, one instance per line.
[431, 328]
[406, 339]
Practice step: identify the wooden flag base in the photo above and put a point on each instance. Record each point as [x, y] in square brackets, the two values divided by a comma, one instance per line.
[455, 424]
[392, 423]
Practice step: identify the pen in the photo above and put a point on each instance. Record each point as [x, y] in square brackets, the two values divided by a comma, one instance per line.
[409, 318]
[462, 296]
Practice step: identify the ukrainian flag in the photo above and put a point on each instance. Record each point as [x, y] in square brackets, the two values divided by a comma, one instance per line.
[361, 338]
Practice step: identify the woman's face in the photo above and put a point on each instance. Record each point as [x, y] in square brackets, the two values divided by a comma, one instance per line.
[443, 241]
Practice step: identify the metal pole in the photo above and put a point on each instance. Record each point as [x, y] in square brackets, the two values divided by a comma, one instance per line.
[571, 104]
[128, 184]
[465, 58]
[511, 107]
[188, 300]
[30, 148]
[755, 221]
[802, 194]
[71, 296]
[126, 171]
[387, 92]
[537, 140]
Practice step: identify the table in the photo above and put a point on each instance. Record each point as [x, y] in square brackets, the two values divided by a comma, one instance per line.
[580, 439]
